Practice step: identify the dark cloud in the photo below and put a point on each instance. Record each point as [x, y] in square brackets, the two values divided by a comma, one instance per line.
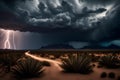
[104, 2]
[8, 2]
[66, 20]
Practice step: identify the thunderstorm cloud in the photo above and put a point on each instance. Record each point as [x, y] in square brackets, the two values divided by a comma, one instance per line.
[89, 21]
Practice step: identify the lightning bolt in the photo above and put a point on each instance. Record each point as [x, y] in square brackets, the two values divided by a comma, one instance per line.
[13, 35]
[9, 35]
[7, 44]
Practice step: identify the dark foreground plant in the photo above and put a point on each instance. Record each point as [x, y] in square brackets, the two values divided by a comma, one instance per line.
[77, 64]
[110, 61]
[118, 78]
[28, 68]
[103, 75]
[111, 75]
[8, 60]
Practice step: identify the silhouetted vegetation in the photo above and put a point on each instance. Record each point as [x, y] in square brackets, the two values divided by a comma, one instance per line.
[28, 68]
[77, 64]
[8, 60]
[111, 75]
[103, 75]
[118, 78]
[110, 61]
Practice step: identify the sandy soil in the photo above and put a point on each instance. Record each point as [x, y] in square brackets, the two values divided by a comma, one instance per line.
[54, 72]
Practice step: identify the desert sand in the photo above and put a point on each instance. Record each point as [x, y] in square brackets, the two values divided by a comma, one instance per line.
[54, 72]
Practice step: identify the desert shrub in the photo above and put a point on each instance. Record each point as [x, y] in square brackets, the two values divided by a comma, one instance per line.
[77, 64]
[1, 66]
[45, 63]
[8, 60]
[94, 58]
[103, 75]
[111, 75]
[110, 61]
[93, 65]
[118, 78]
[27, 68]
[57, 55]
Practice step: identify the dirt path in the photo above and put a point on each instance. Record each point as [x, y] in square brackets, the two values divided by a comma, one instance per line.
[54, 72]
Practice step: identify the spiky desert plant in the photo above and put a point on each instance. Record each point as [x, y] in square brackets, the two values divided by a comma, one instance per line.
[109, 61]
[8, 60]
[28, 68]
[77, 64]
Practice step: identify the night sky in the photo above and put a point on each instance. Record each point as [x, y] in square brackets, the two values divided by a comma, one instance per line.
[79, 23]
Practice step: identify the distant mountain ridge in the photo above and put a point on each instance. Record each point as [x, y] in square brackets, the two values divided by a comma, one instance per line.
[112, 46]
[58, 46]
[67, 46]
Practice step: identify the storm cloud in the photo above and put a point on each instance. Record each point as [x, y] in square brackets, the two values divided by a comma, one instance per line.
[90, 21]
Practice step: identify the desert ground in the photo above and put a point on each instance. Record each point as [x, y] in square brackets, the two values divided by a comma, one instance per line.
[55, 72]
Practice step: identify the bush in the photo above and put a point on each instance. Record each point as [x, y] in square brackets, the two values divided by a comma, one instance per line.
[111, 75]
[2, 70]
[118, 78]
[93, 65]
[103, 75]
[8, 60]
[27, 68]
[110, 61]
[94, 58]
[77, 64]
[57, 55]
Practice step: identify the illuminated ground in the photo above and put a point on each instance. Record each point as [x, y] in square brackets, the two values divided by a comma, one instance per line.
[54, 72]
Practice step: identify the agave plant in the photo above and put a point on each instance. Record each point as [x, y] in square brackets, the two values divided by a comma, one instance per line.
[8, 60]
[110, 61]
[77, 64]
[28, 68]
